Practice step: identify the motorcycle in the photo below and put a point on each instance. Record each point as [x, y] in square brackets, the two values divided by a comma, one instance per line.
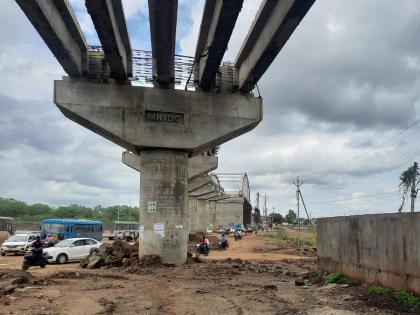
[31, 258]
[237, 236]
[224, 245]
[202, 250]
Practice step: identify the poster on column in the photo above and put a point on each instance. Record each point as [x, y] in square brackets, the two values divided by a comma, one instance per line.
[159, 228]
[141, 232]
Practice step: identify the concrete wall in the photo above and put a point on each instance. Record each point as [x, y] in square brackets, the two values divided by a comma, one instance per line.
[210, 213]
[27, 226]
[380, 248]
[227, 211]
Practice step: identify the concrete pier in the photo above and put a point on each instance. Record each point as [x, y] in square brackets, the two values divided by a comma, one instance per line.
[163, 205]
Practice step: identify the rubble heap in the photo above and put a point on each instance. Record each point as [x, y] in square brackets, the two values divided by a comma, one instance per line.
[10, 280]
[110, 255]
[120, 254]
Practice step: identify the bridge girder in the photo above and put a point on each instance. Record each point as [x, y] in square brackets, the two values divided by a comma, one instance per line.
[219, 19]
[163, 17]
[55, 22]
[109, 21]
[275, 23]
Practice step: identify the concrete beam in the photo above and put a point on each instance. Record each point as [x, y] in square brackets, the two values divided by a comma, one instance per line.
[139, 118]
[108, 18]
[220, 197]
[202, 191]
[209, 195]
[201, 164]
[275, 23]
[131, 160]
[198, 165]
[55, 22]
[219, 18]
[162, 17]
[198, 182]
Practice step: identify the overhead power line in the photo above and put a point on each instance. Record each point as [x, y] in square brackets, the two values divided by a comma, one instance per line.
[375, 148]
[361, 197]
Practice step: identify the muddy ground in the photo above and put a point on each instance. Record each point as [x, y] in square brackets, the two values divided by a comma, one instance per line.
[257, 275]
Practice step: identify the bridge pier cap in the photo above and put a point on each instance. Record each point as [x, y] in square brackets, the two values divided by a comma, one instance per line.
[139, 118]
[165, 126]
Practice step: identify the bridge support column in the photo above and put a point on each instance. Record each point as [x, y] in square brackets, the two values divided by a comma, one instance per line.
[165, 126]
[163, 205]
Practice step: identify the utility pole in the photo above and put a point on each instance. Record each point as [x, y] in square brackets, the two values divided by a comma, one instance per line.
[413, 185]
[298, 183]
[307, 214]
[272, 219]
[257, 198]
[265, 208]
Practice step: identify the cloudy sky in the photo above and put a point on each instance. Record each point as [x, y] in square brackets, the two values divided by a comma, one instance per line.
[341, 106]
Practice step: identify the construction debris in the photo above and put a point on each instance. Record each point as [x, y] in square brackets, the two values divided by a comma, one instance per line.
[109, 256]
[10, 280]
[120, 254]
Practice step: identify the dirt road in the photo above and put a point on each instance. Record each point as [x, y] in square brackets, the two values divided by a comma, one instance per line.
[254, 276]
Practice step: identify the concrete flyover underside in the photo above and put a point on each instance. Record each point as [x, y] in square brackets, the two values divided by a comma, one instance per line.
[163, 127]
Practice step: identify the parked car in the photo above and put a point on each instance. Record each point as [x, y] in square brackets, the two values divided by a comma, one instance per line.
[209, 230]
[71, 249]
[17, 244]
[220, 229]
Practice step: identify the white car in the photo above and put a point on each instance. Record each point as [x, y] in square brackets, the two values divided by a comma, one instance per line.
[17, 244]
[71, 249]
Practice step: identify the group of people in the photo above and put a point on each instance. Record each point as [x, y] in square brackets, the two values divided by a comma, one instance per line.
[203, 246]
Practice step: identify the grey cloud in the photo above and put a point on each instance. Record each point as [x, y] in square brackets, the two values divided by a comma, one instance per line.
[31, 123]
[357, 76]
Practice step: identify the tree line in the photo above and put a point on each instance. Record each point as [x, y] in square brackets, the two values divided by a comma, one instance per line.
[22, 211]
[290, 218]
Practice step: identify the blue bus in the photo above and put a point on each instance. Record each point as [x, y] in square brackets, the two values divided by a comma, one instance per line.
[60, 229]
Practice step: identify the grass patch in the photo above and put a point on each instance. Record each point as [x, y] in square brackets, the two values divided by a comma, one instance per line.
[402, 296]
[283, 235]
[310, 242]
[378, 290]
[407, 298]
[338, 278]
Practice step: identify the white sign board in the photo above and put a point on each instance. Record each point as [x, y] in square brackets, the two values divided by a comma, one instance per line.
[159, 228]
[151, 206]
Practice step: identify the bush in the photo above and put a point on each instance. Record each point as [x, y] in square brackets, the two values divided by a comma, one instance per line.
[310, 242]
[407, 298]
[338, 278]
[378, 290]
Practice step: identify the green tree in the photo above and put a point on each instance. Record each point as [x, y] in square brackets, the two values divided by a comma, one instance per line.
[277, 218]
[291, 217]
